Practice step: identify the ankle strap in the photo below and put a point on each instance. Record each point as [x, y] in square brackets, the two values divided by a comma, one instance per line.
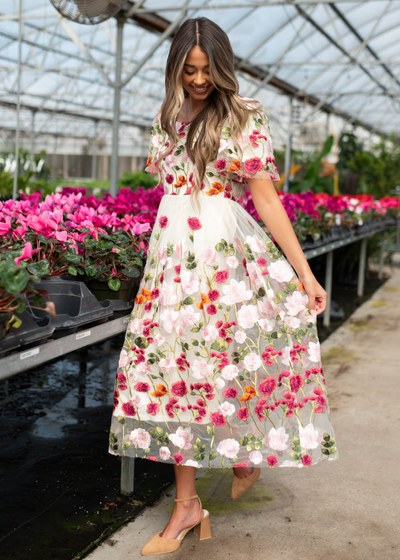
[184, 499]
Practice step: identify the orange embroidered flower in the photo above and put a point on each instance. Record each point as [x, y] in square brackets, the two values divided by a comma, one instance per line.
[216, 188]
[249, 393]
[160, 391]
[301, 287]
[204, 299]
[148, 161]
[236, 166]
[140, 299]
[144, 296]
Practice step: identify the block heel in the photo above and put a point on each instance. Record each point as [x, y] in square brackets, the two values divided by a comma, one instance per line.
[203, 529]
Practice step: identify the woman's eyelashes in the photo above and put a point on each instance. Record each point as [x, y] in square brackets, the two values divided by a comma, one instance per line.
[191, 73]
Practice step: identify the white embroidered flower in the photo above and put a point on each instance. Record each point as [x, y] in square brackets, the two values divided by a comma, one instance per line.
[167, 365]
[228, 447]
[219, 383]
[255, 457]
[143, 368]
[247, 316]
[182, 438]
[255, 275]
[160, 340]
[168, 319]
[267, 324]
[167, 295]
[165, 453]
[232, 262]
[240, 336]
[191, 463]
[140, 438]
[310, 437]
[252, 361]
[201, 369]
[286, 358]
[137, 400]
[255, 244]
[281, 271]
[227, 409]
[189, 282]
[207, 255]
[157, 140]
[135, 326]
[295, 303]
[276, 439]
[314, 351]
[181, 248]
[124, 359]
[222, 144]
[189, 316]
[235, 292]
[230, 372]
[266, 309]
[293, 322]
[210, 332]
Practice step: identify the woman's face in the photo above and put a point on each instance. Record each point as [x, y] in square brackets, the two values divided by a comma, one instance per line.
[195, 76]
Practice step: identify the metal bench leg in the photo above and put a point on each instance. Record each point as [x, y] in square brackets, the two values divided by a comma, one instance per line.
[361, 268]
[127, 474]
[328, 287]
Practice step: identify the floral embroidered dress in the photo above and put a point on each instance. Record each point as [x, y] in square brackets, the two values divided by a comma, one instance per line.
[221, 361]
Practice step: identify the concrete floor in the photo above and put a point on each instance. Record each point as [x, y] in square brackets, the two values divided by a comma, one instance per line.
[344, 509]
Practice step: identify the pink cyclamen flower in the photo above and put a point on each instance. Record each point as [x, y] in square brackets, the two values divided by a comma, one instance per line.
[27, 252]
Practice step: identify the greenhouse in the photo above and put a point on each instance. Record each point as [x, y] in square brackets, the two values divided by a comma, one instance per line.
[86, 231]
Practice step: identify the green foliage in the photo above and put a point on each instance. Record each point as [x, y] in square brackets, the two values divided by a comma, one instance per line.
[140, 178]
[311, 179]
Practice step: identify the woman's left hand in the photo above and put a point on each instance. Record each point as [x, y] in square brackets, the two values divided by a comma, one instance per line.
[316, 294]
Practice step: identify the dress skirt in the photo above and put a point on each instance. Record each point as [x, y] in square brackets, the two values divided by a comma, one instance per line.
[221, 362]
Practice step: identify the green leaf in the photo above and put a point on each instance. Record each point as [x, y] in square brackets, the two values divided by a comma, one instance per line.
[13, 278]
[213, 455]
[141, 342]
[73, 271]
[279, 296]
[188, 301]
[131, 272]
[114, 284]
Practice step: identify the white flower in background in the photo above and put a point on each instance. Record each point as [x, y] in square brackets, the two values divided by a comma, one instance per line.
[310, 438]
[277, 438]
[235, 292]
[168, 319]
[314, 351]
[201, 369]
[141, 438]
[247, 316]
[230, 372]
[255, 244]
[189, 282]
[227, 409]
[124, 359]
[295, 303]
[281, 271]
[210, 332]
[228, 447]
[182, 438]
[165, 453]
[207, 255]
[167, 295]
[255, 457]
[232, 262]
[252, 361]
[167, 365]
[240, 336]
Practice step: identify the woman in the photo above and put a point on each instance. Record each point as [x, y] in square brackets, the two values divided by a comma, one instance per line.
[221, 364]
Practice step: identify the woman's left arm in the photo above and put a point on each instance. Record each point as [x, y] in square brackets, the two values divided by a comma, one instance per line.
[272, 212]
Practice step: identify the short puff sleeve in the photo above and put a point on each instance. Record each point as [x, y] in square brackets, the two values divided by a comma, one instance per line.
[255, 158]
[156, 143]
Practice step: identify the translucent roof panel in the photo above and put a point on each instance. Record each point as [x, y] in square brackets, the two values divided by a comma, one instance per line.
[342, 58]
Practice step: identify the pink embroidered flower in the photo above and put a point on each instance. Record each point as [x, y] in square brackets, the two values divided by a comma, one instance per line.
[178, 458]
[124, 359]
[240, 337]
[243, 413]
[229, 448]
[194, 224]
[306, 460]
[182, 438]
[252, 361]
[272, 460]
[163, 221]
[226, 409]
[217, 419]
[179, 389]
[253, 165]
[141, 438]
[255, 457]
[153, 408]
[281, 271]
[211, 309]
[267, 386]
[213, 295]
[142, 387]
[230, 392]
[230, 372]
[296, 381]
[220, 164]
[221, 276]
[277, 438]
[128, 409]
[207, 255]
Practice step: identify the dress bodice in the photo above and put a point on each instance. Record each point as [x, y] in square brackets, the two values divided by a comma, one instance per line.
[227, 175]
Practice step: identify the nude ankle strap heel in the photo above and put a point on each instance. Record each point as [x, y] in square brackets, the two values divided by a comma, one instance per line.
[161, 545]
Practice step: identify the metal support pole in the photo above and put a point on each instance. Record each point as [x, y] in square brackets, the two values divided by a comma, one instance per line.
[382, 255]
[361, 268]
[33, 136]
[94, 152]
[398, 235]
[288, 153]
[127, 475]
[15, 184]
[327, 126]
[328, 288]
[117, 96]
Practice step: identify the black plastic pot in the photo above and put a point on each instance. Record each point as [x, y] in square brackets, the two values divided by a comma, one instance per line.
[33, 329]
[103, 292]
[4, 318]
[74, 302]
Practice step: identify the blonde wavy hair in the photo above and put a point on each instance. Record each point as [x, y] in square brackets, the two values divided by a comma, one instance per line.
[205, 129]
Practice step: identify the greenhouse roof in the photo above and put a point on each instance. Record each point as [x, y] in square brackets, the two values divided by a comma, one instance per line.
[337, 57]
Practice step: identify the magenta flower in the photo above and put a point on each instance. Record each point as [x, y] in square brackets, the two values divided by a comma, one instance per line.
[27, 252]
